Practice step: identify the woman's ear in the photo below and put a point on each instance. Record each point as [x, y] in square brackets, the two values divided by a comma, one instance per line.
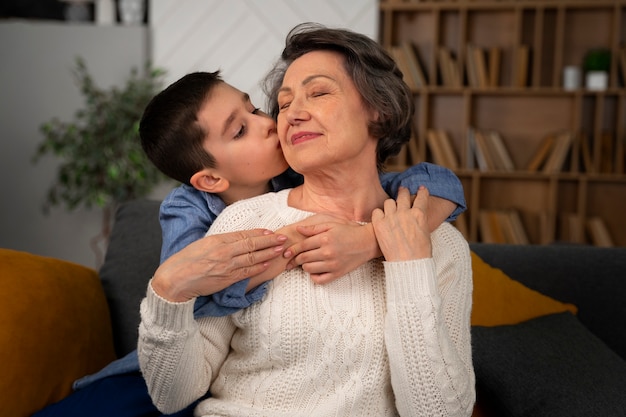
[209, 181]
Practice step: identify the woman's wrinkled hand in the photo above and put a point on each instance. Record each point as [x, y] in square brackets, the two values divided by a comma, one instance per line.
[401, 228]
[214, 262]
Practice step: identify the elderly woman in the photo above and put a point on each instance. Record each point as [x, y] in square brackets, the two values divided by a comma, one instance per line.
[389, 338]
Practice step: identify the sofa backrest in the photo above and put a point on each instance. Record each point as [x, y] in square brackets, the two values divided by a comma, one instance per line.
[132, 257]
[592, 278]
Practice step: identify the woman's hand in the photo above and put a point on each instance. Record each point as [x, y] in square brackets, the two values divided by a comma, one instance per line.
[332, 247]
[402, 228]
[214, 262]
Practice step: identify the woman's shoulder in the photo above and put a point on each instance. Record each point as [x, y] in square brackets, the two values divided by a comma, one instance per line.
[277, 198]
[251, 213]
[448, 239]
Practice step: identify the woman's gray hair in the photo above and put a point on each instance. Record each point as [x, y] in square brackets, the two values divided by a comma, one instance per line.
[374, 73]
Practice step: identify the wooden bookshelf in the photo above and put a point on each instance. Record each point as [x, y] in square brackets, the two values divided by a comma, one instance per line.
[510, 56]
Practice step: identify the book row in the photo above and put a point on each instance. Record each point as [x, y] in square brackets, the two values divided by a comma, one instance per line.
[487, 151]
[508, 226]
[481, 67]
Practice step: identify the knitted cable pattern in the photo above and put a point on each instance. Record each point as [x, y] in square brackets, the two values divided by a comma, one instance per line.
[387, 339]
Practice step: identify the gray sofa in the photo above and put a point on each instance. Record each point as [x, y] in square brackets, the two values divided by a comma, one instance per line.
[560, 364]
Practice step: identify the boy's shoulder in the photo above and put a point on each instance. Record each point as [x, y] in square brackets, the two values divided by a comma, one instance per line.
[186, 196]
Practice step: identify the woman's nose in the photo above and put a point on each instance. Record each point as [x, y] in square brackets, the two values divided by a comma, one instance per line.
[296, 112]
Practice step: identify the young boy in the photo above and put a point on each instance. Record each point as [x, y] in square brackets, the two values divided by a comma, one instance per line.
[241, 159]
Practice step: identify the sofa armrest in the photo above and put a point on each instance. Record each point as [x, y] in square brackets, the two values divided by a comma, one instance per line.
[54, 328]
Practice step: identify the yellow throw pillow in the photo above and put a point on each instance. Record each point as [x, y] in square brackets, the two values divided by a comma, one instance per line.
[54, 328]
[499, 299]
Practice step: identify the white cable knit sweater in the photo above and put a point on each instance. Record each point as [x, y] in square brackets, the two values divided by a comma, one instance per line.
[390, 338]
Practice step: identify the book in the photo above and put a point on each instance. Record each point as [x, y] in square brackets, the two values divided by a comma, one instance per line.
[541, 154]
[522, 58]
[519, 232]
[470, 67]
[585, 151]
[571, 228]
[622, 61]
[502, 158]
[598, 232]
[481, 66]
[484, 228]
[559, 153]
[398, 55]
[490, 151]
[448, 68]
[414, 65]
[488, 227]
[495, 58]
[607, 153]
[441, 148]
[448, 149]
[470, 150]
[483, 153]
[474, 152]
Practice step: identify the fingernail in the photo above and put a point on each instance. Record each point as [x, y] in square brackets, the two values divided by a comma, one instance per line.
[287, 254]
[278, 249]
[282, 238]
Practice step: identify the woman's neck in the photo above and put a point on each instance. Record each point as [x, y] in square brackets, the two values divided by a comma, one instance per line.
[349, 197]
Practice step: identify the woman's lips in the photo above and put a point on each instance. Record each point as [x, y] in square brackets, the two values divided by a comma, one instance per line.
[302, 137]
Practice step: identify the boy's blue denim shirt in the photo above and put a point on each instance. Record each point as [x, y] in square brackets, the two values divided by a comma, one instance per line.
[186, 214]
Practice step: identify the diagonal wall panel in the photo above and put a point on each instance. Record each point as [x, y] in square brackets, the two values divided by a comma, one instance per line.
[241, 37]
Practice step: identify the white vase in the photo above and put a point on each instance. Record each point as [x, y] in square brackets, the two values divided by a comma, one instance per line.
[105, 12]
[132, 11]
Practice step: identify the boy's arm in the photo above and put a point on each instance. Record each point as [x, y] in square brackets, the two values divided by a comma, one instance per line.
[185, 216]
[442, 184]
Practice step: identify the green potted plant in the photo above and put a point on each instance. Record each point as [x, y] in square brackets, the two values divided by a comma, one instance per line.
[103, 163]
[596, 64]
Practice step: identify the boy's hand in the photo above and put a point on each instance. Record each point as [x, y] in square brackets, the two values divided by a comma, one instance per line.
[214, 262]
[332, 247]
[402, 228]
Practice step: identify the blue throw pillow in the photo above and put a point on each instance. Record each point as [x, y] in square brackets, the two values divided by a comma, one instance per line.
[549, 366]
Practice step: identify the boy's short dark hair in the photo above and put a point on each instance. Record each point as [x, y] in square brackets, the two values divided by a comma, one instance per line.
[170, 133]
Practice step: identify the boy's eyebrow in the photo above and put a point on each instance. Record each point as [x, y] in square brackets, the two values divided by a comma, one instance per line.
[306, 81]
[245, 97]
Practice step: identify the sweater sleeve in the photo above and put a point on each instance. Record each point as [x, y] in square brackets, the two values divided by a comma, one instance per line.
[427, 329]
[176, 361]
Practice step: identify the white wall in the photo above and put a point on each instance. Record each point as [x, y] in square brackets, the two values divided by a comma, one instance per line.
[242, 37]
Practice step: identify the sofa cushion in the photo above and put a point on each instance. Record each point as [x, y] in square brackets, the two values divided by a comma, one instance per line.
[498, 299]
[54, 313]
[548, 366]
[132, 257]
[592, 278]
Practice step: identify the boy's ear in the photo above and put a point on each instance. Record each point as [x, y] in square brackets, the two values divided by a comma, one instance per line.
[208, 180]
